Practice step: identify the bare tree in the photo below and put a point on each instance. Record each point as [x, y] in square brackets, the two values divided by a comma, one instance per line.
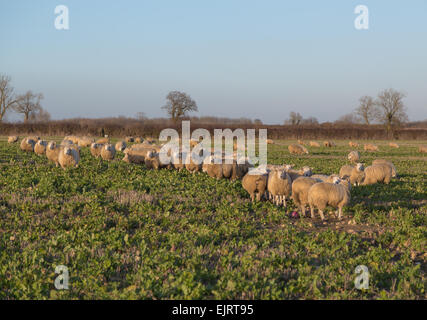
[7, 98]
[348, 119]
[295, 118]
[309, 120]
[367, 110]
[28, 104]
[40, 116]
[179, 104]
[140, 116]
[392, 111]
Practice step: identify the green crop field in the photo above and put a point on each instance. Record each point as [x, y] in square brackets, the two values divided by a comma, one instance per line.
[125, 232]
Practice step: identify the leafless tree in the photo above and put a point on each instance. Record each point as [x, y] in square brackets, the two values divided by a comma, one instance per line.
[141, 116]
[28, 104]
[179, 104]
[367, 110]
[7, 98]
[40, 116]
[348, 119]
[295, 118]
[392, 111]
[309, 120]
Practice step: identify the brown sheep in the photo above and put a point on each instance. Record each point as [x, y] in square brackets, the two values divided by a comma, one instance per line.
[279, 186]
[353, 144]
[12, 139]
[354, 156]
[297, 149]
[52, 152]
[255, 183]
[40, 147]
[314, 144]
[300, 189]
[27, 145]
[422, 149]
[370, 147]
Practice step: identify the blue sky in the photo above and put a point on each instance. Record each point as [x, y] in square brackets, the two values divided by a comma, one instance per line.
[256, 59]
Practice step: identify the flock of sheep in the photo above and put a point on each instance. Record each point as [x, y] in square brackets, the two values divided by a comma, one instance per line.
[277, 183]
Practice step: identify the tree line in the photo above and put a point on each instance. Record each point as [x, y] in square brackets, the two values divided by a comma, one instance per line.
[27, 104]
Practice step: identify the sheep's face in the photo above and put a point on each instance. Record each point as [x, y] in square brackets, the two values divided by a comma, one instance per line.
[281, 174]
[67, 151]
[52, 145]
[306, 171]
[360, 167]
[336, 180]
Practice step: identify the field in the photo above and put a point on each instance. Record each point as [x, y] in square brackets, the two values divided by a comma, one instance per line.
[125, 232]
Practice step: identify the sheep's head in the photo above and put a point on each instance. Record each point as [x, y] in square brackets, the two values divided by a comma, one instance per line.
[281, 174]
[306, 171]
[288, 167]
[336, 180]
[67, 151]
[94, 145]
[360, 167]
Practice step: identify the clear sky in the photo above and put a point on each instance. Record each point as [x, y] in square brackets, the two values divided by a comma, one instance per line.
[236, 58]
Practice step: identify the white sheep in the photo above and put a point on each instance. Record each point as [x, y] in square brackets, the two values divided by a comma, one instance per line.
[279, 186]
[120, 146]
[297, 149]
[85, 142]
[354, 156]
[255, 183]
[27, 144]
[323, 194]
[52, 152]
[95, 149]
[300, 189]
[295, 174]
[108, 152]
[345, 171]
[389, 163]
[40, 147]
[12, 139]
[69, 157]
[325, 178]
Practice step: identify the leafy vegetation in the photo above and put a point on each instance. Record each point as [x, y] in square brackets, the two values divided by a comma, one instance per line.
[125, 232]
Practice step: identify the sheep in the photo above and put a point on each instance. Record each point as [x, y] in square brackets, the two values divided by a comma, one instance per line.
[393, 145]
[354, 156]
[297, 149]
[328, 144]
[178, 161]
[372, 174]
[40, 147]
[120, 146]
[314, 144]
[279, 186]
[12, 139]
[27, 145]
[68, 157]
[52, 152]
[192, 166]
[104, 140]
[389, 163]
[370, 147]
[129, 139]
[301, 142]
[135, 156]
[255, 183]
[214, 170]
[85, 142]
[353, 144]
[270, 141]
[345, 171]
[295, 174]
[74, 139]
[35, 138]
[422, 149]
[336, 195]
[108, 152]
[300, 189]
[139, 140]
[66, 142]
[95, 149]
[152, 161]
[357, 174]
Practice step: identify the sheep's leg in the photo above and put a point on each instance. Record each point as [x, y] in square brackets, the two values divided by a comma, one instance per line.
[258, 196]
[340, 213]
[312, 212]
[322, 216]
[253, 197]
[303, 212]
[284, 201]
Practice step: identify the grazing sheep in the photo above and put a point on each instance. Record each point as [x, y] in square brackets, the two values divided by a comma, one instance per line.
[357, 174]
[85, 142]
[270, 141]
[279, 186]
[389, 163]
[108, 152]
[393, 145]
[370, 147]
[295, 174]
[129, 139]
[353, 144]
[297, 149]
[178, 161]
[345, 171]
[152, 161]
[336, 195]
[12, 139]
[314, 144]
[27, 145]
[354, 156]
[255, 183]
[135, 156]
[328, 144]
[95, 149]
[52, 152]
[422, 149]
[105, 140]
[120, 146]
[214, 170]
[68, 157]
[192, 166]
[40, 147]
[371, 175]
[300, 189]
